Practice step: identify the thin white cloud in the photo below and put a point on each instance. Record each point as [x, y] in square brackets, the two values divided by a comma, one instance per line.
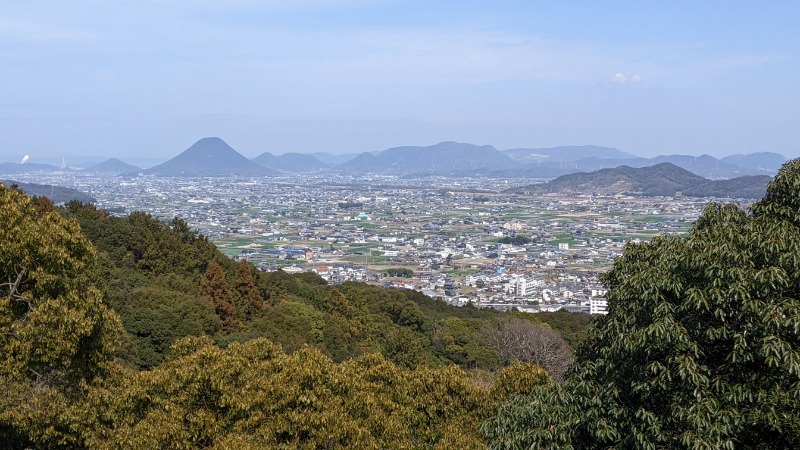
[621, 78]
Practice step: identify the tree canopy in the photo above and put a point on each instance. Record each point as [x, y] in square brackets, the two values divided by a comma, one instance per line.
[56, 332]
[253, 395]
[700, 346]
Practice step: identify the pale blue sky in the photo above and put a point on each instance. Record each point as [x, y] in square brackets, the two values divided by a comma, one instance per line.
[148, 78]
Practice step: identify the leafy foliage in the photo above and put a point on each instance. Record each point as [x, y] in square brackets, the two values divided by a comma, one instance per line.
[248, 300]
[56, 333]
[350, 205]
[399, 272]
[151, 272]
[700, 346]
[253, 395]
[515, 240]
[214, 286]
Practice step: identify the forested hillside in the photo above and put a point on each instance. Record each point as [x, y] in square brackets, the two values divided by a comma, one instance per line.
[128, 331]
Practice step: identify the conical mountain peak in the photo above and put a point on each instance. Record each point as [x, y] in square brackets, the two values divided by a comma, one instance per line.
[210, 156]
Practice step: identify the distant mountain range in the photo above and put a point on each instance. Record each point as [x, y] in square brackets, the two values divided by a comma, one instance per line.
[290, 162]
[11, 168]
[453, 158]
[113, 165]
[443, 158]
[213, 157]
[56, 194]
[703, 165]
[209, 157]
[762, 161]
[664, 179]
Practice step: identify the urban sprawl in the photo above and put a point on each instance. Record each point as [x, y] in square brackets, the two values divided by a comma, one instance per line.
[461, 240]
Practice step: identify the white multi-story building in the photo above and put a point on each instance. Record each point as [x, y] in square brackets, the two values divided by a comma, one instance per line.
[535, 283]
[598, 305]
[520, 287]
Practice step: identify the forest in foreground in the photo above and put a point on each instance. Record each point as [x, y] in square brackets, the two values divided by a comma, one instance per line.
[134, 333]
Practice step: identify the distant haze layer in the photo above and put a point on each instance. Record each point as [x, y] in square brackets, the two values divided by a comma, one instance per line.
[212, 156]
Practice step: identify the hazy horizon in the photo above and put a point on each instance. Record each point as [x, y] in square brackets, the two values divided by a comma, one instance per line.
[145, 80]
[146, 162]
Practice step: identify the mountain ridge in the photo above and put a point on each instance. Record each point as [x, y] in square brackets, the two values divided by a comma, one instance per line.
[56, 194]
[113, 165]
[213, 157]
[290, 162]
[7, 168]
[660, 180]
[446, 157]
[563, 160]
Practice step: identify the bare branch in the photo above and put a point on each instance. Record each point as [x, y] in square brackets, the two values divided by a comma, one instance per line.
[13, 289]
[525, 341]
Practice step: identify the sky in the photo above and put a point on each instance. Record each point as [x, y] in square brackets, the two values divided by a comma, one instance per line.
[148, 78]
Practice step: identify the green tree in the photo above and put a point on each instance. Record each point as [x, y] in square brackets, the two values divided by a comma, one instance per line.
[248, 299]
[215, 287]
[515, 240]
[343, 313]
[253, 395]
[403, 347]
[157, 314]
[56, 333]
[573, 327]
[400, 272]
[700, 348]
[336, 302]
[519, 378]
